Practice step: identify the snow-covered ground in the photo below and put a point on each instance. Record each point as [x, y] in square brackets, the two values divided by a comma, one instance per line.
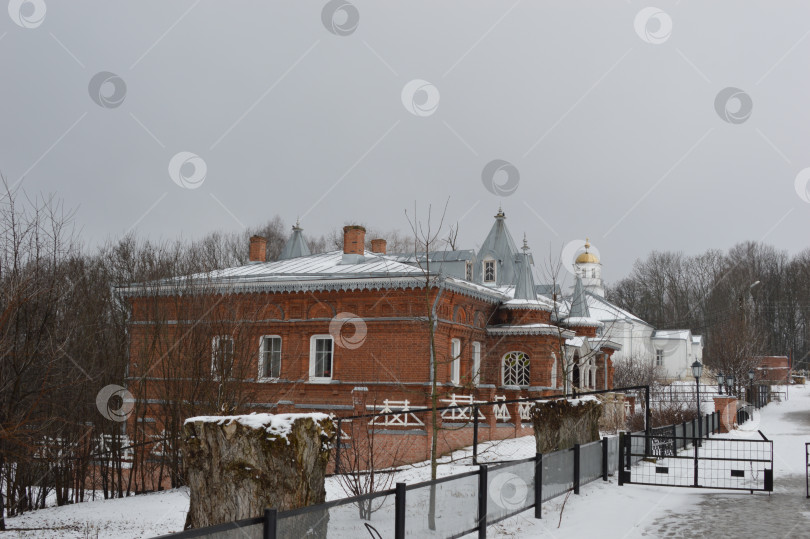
[601, 510]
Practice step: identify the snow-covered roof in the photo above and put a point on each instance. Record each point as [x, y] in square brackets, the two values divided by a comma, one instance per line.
[602, 342]
[434, 256]
[673, 334]
[583, 322]
[530, 329]
[528, 304]
[603, 310]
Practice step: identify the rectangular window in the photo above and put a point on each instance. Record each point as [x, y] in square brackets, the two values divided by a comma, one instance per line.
[489, 271]
[659, 358]
[270, 357]
[320, 358]
[221, 356]
[455, 366]
[469, 271]
[476, 366]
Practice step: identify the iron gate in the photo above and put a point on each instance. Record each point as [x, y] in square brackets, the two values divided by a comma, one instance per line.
[717, 463]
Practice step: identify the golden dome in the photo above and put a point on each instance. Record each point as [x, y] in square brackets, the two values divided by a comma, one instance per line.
[587, 257]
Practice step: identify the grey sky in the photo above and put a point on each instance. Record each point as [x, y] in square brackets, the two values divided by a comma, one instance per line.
[614, 138]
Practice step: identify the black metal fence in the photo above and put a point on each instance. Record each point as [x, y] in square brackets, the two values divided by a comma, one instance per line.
[448, 507]
[687, 458]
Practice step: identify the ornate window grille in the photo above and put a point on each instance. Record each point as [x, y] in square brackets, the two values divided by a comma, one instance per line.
[516, 369]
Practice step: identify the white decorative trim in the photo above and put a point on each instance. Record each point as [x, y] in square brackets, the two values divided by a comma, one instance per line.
[460, 414]
[531, 329]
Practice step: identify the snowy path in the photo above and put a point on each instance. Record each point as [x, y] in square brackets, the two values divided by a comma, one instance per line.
[607, 511]
[602, 510]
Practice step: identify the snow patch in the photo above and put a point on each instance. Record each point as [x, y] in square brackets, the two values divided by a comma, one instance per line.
[278, 425]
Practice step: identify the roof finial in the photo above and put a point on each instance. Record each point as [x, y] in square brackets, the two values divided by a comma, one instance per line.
[500, 214]
[297, 223]
[587, 244]
[525, 243]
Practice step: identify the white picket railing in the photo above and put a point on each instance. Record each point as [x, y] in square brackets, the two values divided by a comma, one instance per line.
[464, 413]
[397, 414]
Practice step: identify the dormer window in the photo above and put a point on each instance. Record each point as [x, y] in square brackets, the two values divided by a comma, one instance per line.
[489, 271]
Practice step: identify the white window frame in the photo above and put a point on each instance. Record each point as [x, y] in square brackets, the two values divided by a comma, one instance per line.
[518, 374]
[455, 365]
[494, 270]
[476, 363]
[263, 357]
[659, 357]
[312, 353]
[215, 349]
[553, 370]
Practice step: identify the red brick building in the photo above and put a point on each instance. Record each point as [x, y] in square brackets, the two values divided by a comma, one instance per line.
[346, 331]
[773, 369]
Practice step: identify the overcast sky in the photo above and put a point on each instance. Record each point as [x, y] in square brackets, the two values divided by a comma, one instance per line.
[609, 118]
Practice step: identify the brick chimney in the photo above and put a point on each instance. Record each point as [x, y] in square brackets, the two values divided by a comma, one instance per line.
[258, 249]
[378, 246]
[354, 240]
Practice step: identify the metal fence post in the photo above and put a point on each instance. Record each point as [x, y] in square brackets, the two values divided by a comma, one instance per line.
[482, 501]
[538, 485]
[604, 458]
[270, 523]
[647, 422]
[576, 468]
[337, 448]
[684, 436]
[621, 458]
[475, 436]
[399, 511]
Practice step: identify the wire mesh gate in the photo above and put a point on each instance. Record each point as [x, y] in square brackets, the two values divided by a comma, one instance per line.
[664, 459]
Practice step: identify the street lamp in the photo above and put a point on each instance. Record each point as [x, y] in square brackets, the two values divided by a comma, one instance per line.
[697, 370]
[751, 386]
[720, 379]
[730, 384]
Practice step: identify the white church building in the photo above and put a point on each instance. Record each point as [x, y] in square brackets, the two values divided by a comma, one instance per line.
[671, 350]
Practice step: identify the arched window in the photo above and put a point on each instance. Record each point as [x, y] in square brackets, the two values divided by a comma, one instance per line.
[553, 370]
[516, 369]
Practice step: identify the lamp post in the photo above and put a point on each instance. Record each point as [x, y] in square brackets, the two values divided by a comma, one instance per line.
[720, 379]
[751, 386]
[697, 370]
[730, 384]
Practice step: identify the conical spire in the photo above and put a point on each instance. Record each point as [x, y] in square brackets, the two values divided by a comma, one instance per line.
[296, 246]
[579, 303]
[524, 281]
[500, 248]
